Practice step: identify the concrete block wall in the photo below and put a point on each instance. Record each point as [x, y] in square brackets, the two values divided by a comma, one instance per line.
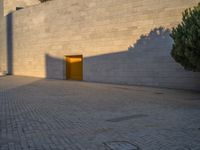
[1, 9]
[147, 62]
[11, 5]
[6, 7]
[3, 61]
[122, 41]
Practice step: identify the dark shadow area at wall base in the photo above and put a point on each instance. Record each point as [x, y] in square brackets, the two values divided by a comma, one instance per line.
[53, 67]
[9, 44]
[146, 63]
[71, 71]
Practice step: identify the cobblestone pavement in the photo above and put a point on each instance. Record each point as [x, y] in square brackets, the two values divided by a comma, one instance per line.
[39, 114]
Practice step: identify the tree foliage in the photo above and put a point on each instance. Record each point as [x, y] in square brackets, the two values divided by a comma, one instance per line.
[186, 36]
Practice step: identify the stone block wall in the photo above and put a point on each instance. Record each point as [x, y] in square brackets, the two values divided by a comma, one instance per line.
[3, 66]
[11, 5]
[122, 41]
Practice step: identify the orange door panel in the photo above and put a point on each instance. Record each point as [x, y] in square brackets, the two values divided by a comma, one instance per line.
[74, 67]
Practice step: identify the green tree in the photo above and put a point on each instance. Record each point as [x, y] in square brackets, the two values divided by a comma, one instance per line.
[186, 36]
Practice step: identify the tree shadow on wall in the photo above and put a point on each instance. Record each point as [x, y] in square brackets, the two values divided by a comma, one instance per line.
[148, 48]
[157, 38]
[147, 62]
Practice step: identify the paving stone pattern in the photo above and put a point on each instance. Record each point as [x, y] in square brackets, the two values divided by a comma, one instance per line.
[39, 114]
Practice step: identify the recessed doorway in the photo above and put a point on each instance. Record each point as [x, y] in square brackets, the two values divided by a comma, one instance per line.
[74, 67]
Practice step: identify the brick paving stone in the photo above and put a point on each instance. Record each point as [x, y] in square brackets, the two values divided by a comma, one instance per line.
[40, 114]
